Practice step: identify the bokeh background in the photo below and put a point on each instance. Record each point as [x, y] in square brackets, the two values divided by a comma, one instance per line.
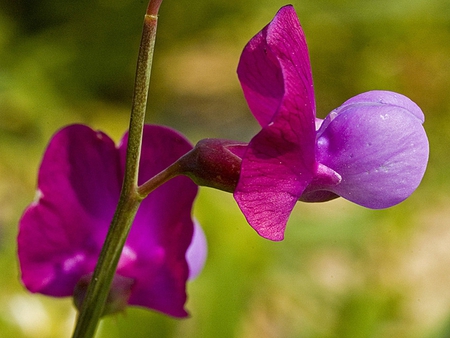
[342, 271]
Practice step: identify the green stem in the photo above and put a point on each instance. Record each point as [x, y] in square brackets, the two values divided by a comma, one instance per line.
[94, 302]
[159, 179]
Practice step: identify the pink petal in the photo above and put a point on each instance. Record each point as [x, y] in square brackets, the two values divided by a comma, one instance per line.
[275, 74]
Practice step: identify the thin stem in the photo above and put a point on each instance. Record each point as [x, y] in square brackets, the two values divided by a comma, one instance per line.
[94, 302]
[99, 286]
[142, 83]
[159, 179]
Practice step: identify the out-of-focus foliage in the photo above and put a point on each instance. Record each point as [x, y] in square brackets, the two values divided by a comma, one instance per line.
[343, 271]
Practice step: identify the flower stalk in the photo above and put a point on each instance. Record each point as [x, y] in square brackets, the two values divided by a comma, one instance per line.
[94, 303]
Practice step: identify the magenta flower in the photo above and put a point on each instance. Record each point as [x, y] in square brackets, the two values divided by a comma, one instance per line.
[62, 232]
[372, 150]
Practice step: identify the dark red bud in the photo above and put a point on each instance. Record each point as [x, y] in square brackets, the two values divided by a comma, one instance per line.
[214, 163]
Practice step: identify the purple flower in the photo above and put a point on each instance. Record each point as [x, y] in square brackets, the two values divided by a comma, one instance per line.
[372, 150]
[62, 232]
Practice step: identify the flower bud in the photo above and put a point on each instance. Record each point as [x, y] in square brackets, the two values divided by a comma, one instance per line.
[214, 163]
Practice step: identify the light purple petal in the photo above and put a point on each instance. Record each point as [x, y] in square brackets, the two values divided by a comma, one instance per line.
[275, 74]
[377, 144]
[197, 251]
[155, 252]
[61, 233]
[383, 97]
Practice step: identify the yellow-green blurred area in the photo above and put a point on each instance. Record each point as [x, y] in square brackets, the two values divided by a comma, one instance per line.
[342, 271]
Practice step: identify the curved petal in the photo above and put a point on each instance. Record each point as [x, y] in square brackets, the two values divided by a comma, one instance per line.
[61, 233]
[378, 147]
[261, 79]
[274, 58]
[155, 252]
[275, 74]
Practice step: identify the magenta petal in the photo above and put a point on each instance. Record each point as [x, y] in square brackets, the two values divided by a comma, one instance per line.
[377, 144]
[275, 75]
[261, 79]
[61, 233]
[155, 252]
[274, 62]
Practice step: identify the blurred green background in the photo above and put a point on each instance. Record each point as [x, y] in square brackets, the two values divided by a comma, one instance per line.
[342, 271]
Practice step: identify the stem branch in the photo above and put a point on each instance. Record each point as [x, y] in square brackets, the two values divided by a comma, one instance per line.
[159, 179]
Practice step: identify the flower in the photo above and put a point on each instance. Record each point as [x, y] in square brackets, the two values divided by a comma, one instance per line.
[375, 149]
[372, 150]
[62, 232]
